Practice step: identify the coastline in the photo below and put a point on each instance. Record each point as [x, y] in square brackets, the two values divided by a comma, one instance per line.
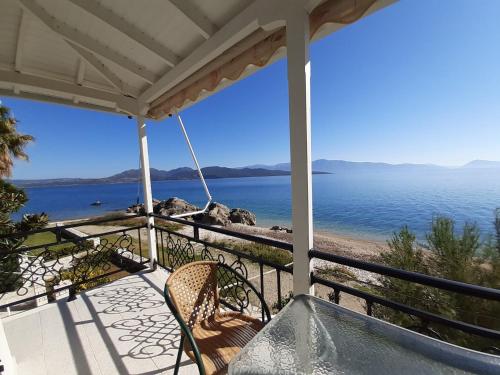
[346, 245]
[64, 182]
[344, 239]
[359, 247]
[344, 206]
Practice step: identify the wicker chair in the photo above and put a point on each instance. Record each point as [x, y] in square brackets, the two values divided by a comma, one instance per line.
[214, 336]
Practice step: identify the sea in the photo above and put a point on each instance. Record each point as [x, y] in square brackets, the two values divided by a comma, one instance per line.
[368, 205]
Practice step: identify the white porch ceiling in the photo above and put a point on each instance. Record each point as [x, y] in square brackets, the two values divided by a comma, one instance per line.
[122, 55]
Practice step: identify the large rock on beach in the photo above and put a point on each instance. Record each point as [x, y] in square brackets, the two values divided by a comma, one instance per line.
[277, 228]
[136, 209]
[241, 216]
[174, 206]
[217, 214]
[139, 208]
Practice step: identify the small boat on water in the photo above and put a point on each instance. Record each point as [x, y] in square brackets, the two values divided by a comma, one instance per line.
[96, 203]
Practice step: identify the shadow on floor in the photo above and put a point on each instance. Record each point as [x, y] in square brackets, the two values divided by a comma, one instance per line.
[143, 329]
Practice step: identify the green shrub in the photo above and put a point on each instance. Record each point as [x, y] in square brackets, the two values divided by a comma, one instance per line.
[452, 255]
[11, 200]
[284, 301]
[337, 273]
[258, 250]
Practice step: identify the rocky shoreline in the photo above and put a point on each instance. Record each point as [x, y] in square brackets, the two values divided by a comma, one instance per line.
[245, 221]
[216, 213]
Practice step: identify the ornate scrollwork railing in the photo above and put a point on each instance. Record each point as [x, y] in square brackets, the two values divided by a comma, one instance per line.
[179, 250]
[29, 273]
[176, 249]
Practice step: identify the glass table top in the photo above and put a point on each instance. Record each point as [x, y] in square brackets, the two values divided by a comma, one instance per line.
[312, 336]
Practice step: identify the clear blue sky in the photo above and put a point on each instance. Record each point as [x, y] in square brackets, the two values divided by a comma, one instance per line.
[417, 82]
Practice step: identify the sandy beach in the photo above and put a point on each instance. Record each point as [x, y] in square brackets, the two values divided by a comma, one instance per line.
[324, 241]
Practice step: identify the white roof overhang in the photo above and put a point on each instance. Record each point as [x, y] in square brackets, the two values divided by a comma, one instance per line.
[150, 57]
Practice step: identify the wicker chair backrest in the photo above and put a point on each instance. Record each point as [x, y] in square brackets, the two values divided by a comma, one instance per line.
[193, 288]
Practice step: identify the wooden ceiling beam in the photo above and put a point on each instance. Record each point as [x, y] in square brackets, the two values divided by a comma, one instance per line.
[104, 71]
[204, 26]
[49, 87]
[235, 30]
[20, 42]
[126, 28]
[84, 41]
[80, 73]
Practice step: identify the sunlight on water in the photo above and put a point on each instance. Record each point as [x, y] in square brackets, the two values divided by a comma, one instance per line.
[362, 204]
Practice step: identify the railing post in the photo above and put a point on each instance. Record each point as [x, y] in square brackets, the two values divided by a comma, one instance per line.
[299, 101]
[146, 188]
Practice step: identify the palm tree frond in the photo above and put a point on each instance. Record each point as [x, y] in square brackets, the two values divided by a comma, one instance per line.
[12, 143]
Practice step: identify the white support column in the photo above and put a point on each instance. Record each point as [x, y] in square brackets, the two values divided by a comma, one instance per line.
[299, 100]
[146, 187]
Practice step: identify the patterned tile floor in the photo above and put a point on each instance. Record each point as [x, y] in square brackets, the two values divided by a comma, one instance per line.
[121, 328]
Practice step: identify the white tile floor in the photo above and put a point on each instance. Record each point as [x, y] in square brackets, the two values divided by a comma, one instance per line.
[121, 328]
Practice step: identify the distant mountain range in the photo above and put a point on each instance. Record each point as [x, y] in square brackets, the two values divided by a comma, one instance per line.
[184, 173]
[339, 166]
[320, 166]
[482, 164]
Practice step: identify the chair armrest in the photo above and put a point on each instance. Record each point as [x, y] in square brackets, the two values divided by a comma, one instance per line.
[185, 330]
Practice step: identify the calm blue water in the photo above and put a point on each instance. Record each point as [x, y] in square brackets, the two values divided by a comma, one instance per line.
[369, 205]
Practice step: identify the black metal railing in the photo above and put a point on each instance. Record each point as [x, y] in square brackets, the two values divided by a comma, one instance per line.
[61, 259]
[177, 247]
[426, 317]
[75, 262]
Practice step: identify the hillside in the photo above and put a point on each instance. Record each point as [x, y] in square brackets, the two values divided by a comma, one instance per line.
[320, 166]
[482, 164]
[343, 166]
[133, 175]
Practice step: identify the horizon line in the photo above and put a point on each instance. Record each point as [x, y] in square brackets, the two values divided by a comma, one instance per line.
[262, 166]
